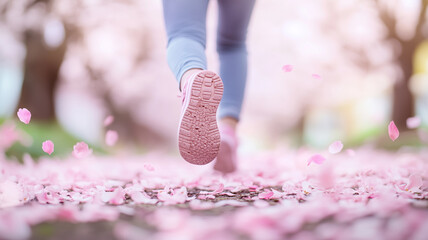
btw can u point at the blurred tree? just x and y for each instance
(41, 70)
(403, 102)
(50, 28)
(45, 45)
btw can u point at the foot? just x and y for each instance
(227, 157)
(198, 134)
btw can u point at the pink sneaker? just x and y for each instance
(227, 157)
(198, 134)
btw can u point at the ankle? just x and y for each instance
(187, 75)
(229, 122)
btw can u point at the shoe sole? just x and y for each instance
(199, 136)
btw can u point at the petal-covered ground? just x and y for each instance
(361, 194)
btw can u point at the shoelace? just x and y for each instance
(182, 94)
(184, 89)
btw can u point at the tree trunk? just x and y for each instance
(403, 102)
(40, 76)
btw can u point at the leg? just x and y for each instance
(198, 134)
(185, 26)
(234, 17)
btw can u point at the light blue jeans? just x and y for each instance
(185, 22)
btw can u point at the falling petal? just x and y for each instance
(109, 120)
(316, 76)
(81, 150)
(413, 122)
(317, 158)
(393, 131)
(48, 147)
(24, 115)
(111, 137)
(287, 68)
(335, 147)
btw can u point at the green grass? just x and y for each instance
(40, 132)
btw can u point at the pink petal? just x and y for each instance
(164, 195)
(317, 158)
(210, 197)
(180, 195)
(42, 197)
(24, 115)
(109, 120)
(335, 147)
(287, 68)
(142, 197)
(111, 137)
(81, 150)
(203, 197)
(266, 195)
(413, 122)
(173, 196)
(289, 188)
(393, 131)
(306, 186)
(118, 196)
(415, 182)
(48, 147)
(278, 194)
(316, 76)
(48, 196)
(219, 189)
